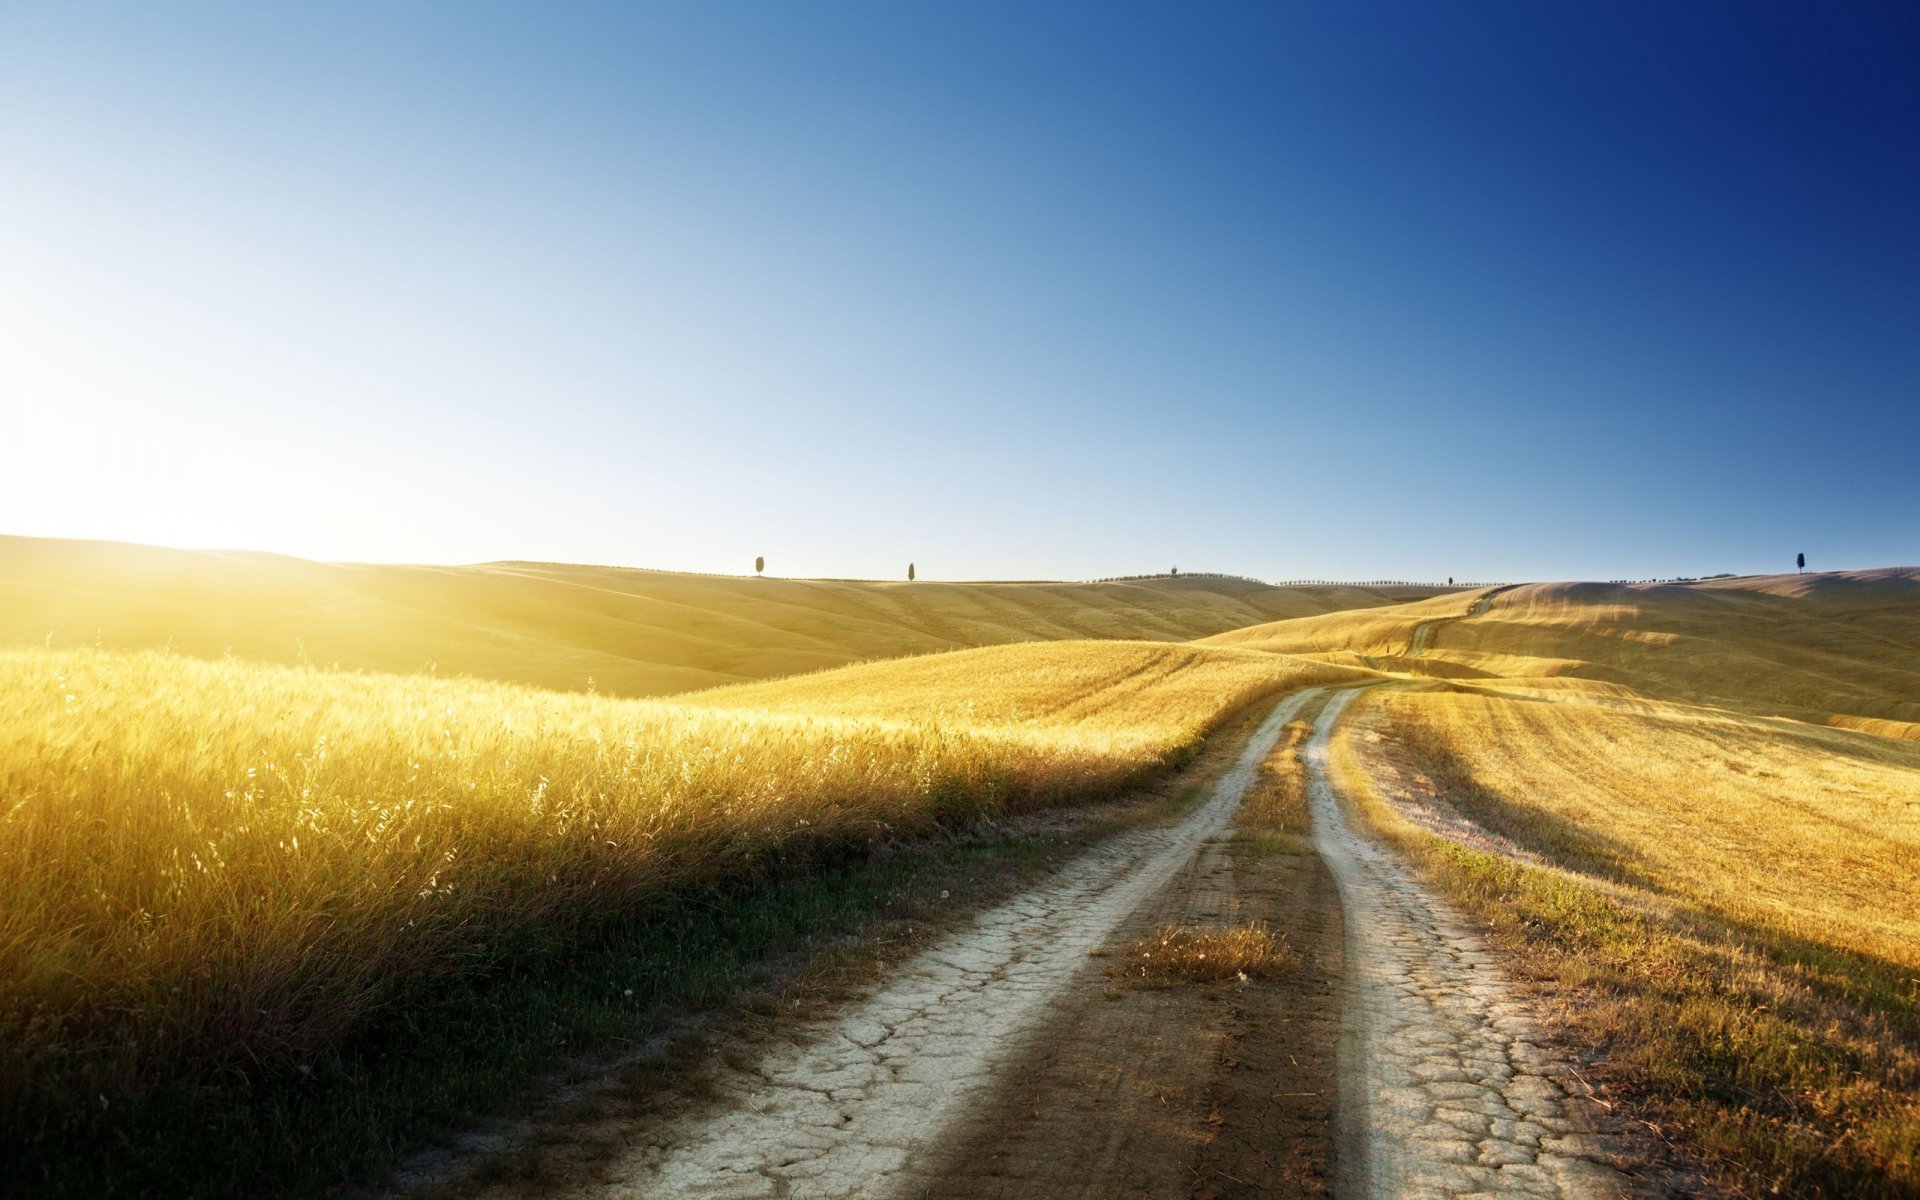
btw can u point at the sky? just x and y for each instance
(1007, 290)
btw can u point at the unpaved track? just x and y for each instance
(1218, 1090)
(1447, 1085)
(1422, 639)
(847, 1111)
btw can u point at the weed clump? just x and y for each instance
(1273, 814)
(1185, 954)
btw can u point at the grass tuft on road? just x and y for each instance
(1273, 814)
(1189, 954)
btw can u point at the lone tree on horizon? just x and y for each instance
(1800, 560)
(1176, 573)
(909, 572)
(759, 563)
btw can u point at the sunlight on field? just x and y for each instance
(1387, 631)
(1735, 901)
(572, 628)
(1699, 802)
(1839, 648)
(1802, 830)
(205, 866)
(1124, 696)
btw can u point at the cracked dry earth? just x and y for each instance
(847, 1112)
(1448, 1087)
(1006, 1061)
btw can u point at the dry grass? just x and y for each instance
(1188, 954)
(1801, 829)
(210, 871)
(1116, 697)
(1273, 812)
(1385, 631)
(1732, 899)
(569, 628)
(1837, 648)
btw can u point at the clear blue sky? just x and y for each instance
(1493, 291)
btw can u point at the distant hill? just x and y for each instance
(631, 632)
(1834, 647)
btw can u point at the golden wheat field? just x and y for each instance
(1809, 831)
(1840, 648)
(212, 863)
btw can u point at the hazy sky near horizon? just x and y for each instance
(1497, 291)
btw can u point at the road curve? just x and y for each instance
(1447, 1087)
(1422, 639)
(853, 1109)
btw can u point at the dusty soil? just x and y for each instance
(1211, 1090)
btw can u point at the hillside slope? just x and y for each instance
(1841, 648)
(630, 632)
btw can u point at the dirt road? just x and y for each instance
(848, 1112)
(1447, 1087)
(1214, 1089)
(1422, 639)
(1012, 1059)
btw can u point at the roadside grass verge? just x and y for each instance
(1786, 1064)
(271, 923)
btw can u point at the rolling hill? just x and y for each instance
(621, 631)
(1840, 648)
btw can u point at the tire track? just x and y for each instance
(1447, 1085)
(867, 1094)
(1422, 638)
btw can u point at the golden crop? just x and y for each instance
(1794, 828)
(1840, 649)
(210, 863)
